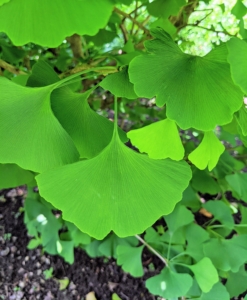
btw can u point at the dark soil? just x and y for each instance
(21, 270)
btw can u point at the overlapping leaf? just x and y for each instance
(30, 134)
(241, 117)
(238, 182)
(208, 152)
(159, 140)
(12, 175)
(169, 284)
(119, 85)
(218, 292)
(48, 23)
(205, 273)
(198, 91)
(117, 190)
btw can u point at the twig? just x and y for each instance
(125, 15)
(10, 68)
(124, 32)
(152, 249)
(209, 29)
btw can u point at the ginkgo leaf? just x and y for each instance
(159, 140)
(238, 62)
(169, 284)
(237, 182)
(12, 175)
(241, 117)
(90, 132)
(218, 292)
(198, 91)
(130, 258)
(204, 183)
(117, 190)
(28, 121)
(205, 273)
(208, 152)
(161, 8)
(3, 1)
(236, 282)
(119, 84)
(230, 254)
(48, 23)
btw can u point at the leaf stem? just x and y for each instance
(164, 260)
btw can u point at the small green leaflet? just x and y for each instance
(12, 175)
(205, 274)
(221, 212)
(208, 152)
(230, 254)
(218, 292)
(238, 182)
(49, 23)
(169, 284)
(130, 259)
(159, 140)
(198, 91)
(180, 217)
(236, 282)
(119, 85)
(117, 185)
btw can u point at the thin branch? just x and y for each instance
(124, 32)
(152, 249)
(125, 15)
(6, 66)
(209, 29)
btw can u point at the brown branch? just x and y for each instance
(127, 16)
(14, 70)
(209, 29)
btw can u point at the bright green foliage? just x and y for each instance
(12, 175)
(164, 9)
(159, 140)
(119, 85)
(193, 102)
(204, 183)
(238, 62)
(180, 217)
(237, 182)
(221, 212)
(208, 152)
(169, 284)
(103, 185)
(205, 274)
(33, 20)
(218, 292)
(236, 282)
(130, 259)
(230, 254)
(77, 236)
(191, 199)
(42, 141)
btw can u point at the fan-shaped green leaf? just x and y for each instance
(169, 284)
(119, 84)
(236, 282)
(117, 190)
(208, 152)
(198, 91)
(230, 254)
(238, 182)
(165, 8)
(218, 292)
(130, 258)
(238, 62)
(28, 121)
(205, 273)
(90, 132)
(3, 1)
(12, 175)
(204, 183)
(159, 140)
(48, 23)
(221, 212)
